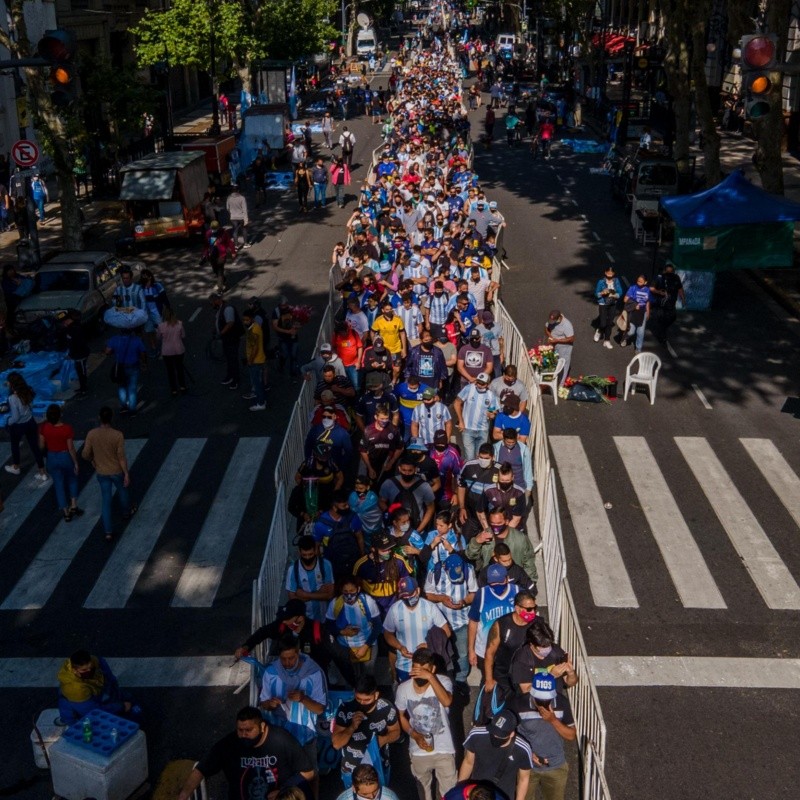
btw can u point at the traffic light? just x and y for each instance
(759, 59)
(58, 48)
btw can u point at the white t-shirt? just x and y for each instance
(427, 716)
(411, 625)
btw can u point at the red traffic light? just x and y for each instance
(758, 51)
(57, 46)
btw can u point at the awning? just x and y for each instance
(148, 185)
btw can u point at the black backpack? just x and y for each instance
(342, 549)
(405, 497)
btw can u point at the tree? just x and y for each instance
(49, 123)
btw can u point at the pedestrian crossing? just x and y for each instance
(675, 523)
(136, 547)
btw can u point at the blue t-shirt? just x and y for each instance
(641, 294)
(521, 424)
(127, 349)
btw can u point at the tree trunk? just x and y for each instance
(676, 66)
(769, 129)
(705, 115)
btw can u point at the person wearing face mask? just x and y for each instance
(427, 362)
(491, 602)
(481, 547)
(381, 570)
(430, 416)
(357, 721)
(86, 683)
(477, 475)
(496, 754)
(310, 577)
(452, 585)
(638, 299)
(506, 496)
(367, 786)
(561, 334)
(541, 653)
(449, 463)
(381, 446)
(329, 431)
(510, 417)
(412, 491)
(437, 304)
(337, 531)
(475, 408)
(506, 636)
(401, 531)
(423, 702)
(407, 624)
(509, 450)
(364, 502)
(409, 396)
(353, 621)
(389, 327)
(437, 545)
(546, 722)
(294, 693)
(243, 756)
(312, 370)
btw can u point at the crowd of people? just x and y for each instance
(413, 565)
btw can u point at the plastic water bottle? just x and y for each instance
(87, 730)
(114, 736)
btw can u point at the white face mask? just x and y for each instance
(484, 462)
(327, 422)
(404, 526)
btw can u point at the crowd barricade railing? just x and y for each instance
(594, 779)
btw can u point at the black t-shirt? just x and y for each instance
(376, 723)
(498, 765)
(476, 480)
(426, 468)
(525, 663)
(253, 773)
(515, 575)
(512, 637)
(368, 404)
(511, 500)
(311, 639)
(379, 444)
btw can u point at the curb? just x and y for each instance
(786, 301)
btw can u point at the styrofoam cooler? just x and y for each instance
(78, 773)
(51, 732)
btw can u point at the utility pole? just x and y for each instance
(622, 132)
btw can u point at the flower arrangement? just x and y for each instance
(543, 357)
(301, 314)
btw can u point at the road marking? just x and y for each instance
(702, 397)
(182, 671)
(688, 570)
(21, 502)
(566, 191)
(671, 350)
(584, 218)
(596, 237)
(770, 575)
(574, 202)
(39, 581)
(195, 314)
(780, 476)
(202, 574)
(696, 672)
(608, 578)
(610, 258)
(121, 572)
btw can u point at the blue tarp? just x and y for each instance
(584, 145)
(735, 201)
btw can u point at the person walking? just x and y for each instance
(237, 210)
(155, 296)
(319, 180)
(475, 407)
(607, 291)
(105, 449)
(302, 182)
(57, 439)
(256, 360)
(638, 300)
(171, 333)
(347, 142)
(129, 352)
(219, 245)
(21, 423)
(40, 196)
(340, 177)
(328, 128)
(229, 329)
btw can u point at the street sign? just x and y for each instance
(25, 153)
(643, 63)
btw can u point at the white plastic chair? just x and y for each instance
(551, 379)
(648, 365)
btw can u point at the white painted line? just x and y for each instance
(696, 672)
(671, 350)
(610, 258)
(608, 578)
(574, 202)
(584, 217)
(566, 191)
(698, 391)
(39, 581)
(596, 237)
(195, 314)
(181, 671)
(780, 476)
(688, 570)
(203, 572)
(21, 502)
(769, 573)
(118, 578)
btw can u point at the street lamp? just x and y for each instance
(215, 129)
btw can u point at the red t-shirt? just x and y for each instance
(346, 346)
(56, 436)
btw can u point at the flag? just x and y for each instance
(293, 96)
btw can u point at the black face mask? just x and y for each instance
(421, 682)
(427, 346)
(246, 743)
(308, 561)
(365, 707)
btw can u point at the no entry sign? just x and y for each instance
(25, 153)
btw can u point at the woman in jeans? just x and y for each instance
(58, 439)
(172, 334)
(21, 423)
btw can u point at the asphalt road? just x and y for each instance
(695, 554)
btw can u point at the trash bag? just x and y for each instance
(68, 372)
(588, 394)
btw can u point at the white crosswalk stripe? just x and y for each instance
(609, 580)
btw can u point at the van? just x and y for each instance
(366, 43)
(644, 175)
(505, 41)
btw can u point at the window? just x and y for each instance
(65, 280)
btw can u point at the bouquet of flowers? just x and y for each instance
(595, 381)
(543, 357)
(301, 315)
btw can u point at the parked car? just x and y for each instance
(644, 174)
(83, 281)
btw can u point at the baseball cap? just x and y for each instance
(496, 573)
(384, 267)
(373, 381)
(502, 726)
(417, 445)
(406, 587)
(555, 314)
(487, 317)
(543, 686)
(327, 396)
(428, 393)
(493, 204)
(329, 409)
(454, 567)
(440, 437)
(381, 541)
(293, 608)
(482, 378)
(325, 348)
(474, 334)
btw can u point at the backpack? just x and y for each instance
(342, 549)
(405, 497)
(347, 143)
(237, 331)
